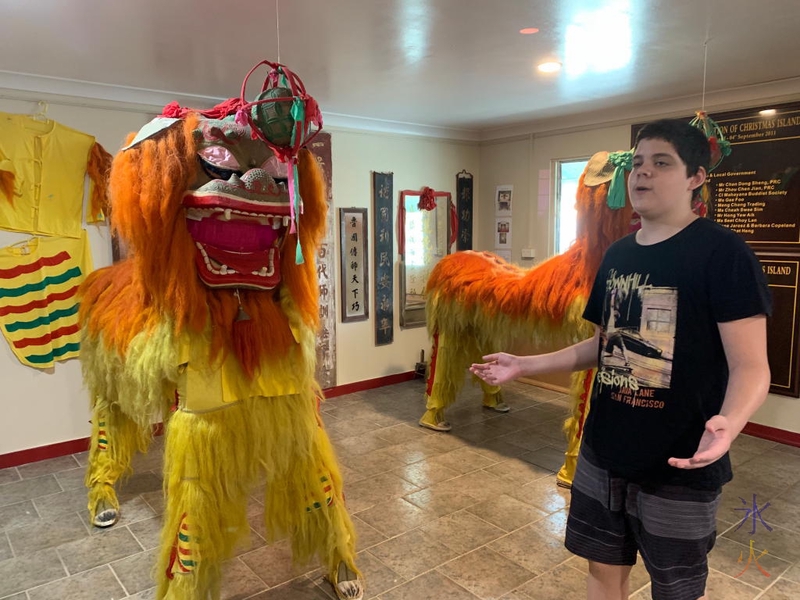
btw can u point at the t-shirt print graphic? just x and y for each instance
(639, 337)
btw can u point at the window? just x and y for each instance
(568, 172)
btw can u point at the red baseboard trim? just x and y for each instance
(23, 457)
(369, 384)
(772, 434)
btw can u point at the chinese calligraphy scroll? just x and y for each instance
(326, 339)
(464, 189)
(355, 264)
(382, 186)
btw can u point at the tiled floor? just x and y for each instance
(471, 514)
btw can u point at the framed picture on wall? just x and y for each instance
(502, 200)
(355, 264)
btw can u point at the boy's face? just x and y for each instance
(658, 185)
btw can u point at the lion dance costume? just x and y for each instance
(210, 324)
(478, 304)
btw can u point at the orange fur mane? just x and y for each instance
(159, 279)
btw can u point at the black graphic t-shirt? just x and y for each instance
(662, 371)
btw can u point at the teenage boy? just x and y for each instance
(680, 350)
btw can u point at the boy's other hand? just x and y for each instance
(714, 443)
(498, 368)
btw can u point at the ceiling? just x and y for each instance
(460, 67)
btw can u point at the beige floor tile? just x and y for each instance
(462, 460)
(462, 531)
(544, 493)
(46, 467)
(136, 571)
(412, 553)
(366, 535)
(731, 558)
(8, 475)
(5, 548)
(430, 585)
(395, 516)
(547, 457)
(506, 512)
(301, 588)
(532, 548)
(563, 582)
(425, 473)
(793, 573)
(27, 489)
(519, 472)
(779, 542)
(238, 581)
(486, 573)
(377, 576)
(783, 590)
(29, 571)
(97, 584)
(273, 564)
(90, 552)
(721, 586)
(71, 478)
(52, 506)
(47, 533)
(147, 532)
(21, 514)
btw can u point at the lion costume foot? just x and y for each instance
(103, 505)
(500, 407)
(434, 419)
(493, 399)
(105, 515)
(346, 583)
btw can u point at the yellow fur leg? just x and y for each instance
(115, 439)
(214, 459)
(209, 469)
(304, 496)
(580, 394)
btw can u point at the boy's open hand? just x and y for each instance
(714, 443)
(498, 368)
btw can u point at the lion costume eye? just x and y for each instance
(219, 163)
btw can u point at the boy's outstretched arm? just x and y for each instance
(745, 344)
(502, 367)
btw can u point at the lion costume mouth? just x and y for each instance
(239, 227)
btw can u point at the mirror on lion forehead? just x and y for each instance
(426, 235)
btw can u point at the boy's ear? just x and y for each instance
(698, 179)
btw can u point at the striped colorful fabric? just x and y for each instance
(39, 282)
(182, 560)
(102, 436)
(326, 489)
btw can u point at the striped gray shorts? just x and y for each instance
(672, 527)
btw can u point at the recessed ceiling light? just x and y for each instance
(767, 112)
(529, 30)
(549, 66)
